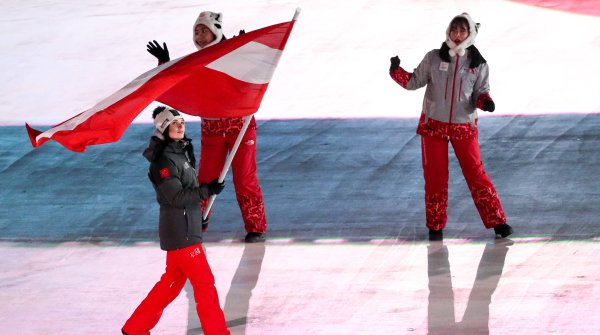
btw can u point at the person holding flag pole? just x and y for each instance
(222, 138)
(224, 83)
(173, 176)
(243, 68)
(223, 135)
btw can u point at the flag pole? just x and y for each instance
(228, 161)
(296, 14)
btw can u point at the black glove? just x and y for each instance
(205, 224)
(489, 106)
(394, 63)
(214, 187)
(242, 32)
(158, 52)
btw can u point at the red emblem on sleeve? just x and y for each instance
(164, 173)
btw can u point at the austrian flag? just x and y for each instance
(228, 79)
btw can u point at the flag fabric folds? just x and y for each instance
(228, 79)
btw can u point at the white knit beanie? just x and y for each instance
(213, 22)
(165, 118)
(460, 49)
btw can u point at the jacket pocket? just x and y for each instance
(172, 224)
(467, 83)
(193, 217)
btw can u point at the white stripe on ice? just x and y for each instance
(253, 63)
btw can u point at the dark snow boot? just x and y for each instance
(503, 230)
(436, 235)
(255, 237)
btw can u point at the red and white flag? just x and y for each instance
(228, 79)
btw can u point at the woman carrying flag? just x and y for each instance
(173, 176)
(219, 136)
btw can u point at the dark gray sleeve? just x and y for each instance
(166, 176)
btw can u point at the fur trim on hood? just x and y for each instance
(461, 48)
(474, 54)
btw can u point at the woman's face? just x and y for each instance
(203, 36)
(459, 32)
(177, 130)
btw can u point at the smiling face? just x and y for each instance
(459, 31)
(203, 36)
(177, 130)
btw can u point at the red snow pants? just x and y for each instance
(218, 138)
(182, 264)
(435, 171)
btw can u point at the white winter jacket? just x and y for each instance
(452, 88)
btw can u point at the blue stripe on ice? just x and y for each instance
(351, 179)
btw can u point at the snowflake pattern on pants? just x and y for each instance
(225, 126)
(436, 206)
(253, 212)
(488, 205)
(454, 131)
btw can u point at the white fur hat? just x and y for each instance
(473, 29)
(165, 118)
(213, 22)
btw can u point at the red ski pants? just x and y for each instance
(217, 142)
(187, 263)
(435, 171)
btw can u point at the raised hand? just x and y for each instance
(162, 54)
(394, 63)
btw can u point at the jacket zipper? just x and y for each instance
(453, 87)
(187, 225)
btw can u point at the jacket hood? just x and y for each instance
(154, 149)
(462, 47)
(157, 146)
(213, 21)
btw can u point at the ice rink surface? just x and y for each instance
(382, 287)
(340, 168)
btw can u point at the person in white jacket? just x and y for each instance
(456, 77)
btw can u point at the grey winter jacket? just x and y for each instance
(452, 88)
(173, 175)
